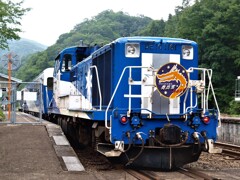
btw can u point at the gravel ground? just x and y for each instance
(218, 166)
(96, 164)
(215, 162)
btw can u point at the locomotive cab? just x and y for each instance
(68, 58)
(63, 76)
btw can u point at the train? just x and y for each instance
(141, 101)
(35, 96)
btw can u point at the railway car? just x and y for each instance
(142, 101)
(36, 95)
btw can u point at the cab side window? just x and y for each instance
(67, 62)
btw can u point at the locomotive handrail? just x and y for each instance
(99, 89)
(191, 107)
(130, 87)
(115, 90)
(210, 86)
(215, 99)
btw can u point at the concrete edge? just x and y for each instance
(63, 149)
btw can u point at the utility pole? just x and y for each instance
(9, 84)
(10, 61)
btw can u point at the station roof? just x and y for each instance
(4, 76)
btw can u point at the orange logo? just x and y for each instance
(172, 80)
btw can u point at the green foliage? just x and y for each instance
(34, 65)
(104, 28)
(22, 48)
(235, 108)
(213, 24)
(10, 14)
(155, 28)
(2, 116)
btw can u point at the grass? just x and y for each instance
(2, 116)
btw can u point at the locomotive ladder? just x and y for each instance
(130, 95)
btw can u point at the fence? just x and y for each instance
(20, 97)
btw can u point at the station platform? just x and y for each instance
(38, 151)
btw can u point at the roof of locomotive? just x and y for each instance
(67, 49)
(143, 39)
(157, 39)
(76, 48)
(138, 39)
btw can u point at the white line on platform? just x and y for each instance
(72, 163)
(60, 140)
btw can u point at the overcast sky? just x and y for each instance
(48, 19)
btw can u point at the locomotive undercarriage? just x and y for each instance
(160, 152)
(81, 131)
(155, 157)
(165, 149)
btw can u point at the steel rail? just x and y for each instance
(195, 174)
(229, 149)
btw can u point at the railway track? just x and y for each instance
(229, 149)
(141, 175)
(195, 174)
(181, 173)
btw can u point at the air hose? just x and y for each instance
(197, 140)
(206, 145)
(140, 152)
(199, 147)
(129, 144)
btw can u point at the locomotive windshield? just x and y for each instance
(67, 62)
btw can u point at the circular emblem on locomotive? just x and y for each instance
(172, 80)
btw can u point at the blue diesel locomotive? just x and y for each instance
(140, 100)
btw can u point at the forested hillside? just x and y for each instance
(213, 24)
(101, 29)
(22, 48)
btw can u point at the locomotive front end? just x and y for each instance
(158, 115)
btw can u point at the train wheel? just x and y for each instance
(64, 125)
(84, 134)
(59, 121)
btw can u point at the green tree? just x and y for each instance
(155, 28)
(213, 24)
(10, 15)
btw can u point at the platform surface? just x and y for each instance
(29, 152)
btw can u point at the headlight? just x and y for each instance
(187, 52)
(132, 50)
